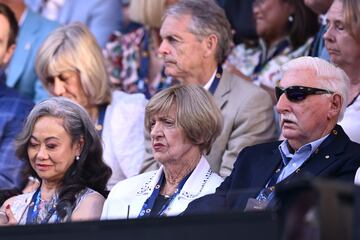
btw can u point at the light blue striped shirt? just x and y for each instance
(293, 161)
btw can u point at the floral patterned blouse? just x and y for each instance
(21, 204)
(127, 58)
(247, 60)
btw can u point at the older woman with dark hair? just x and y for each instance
(285, 29)
(183, 122)
(70, 64)
(63, 150)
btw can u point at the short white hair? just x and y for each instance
(328, 75)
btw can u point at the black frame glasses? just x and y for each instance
(299, 93)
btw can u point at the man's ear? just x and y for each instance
(8, 54)
(336, 104)
(210, 44)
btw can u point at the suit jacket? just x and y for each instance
(21, 73)
(336, 158)
(133, 192)
(14, 109)
(101, 17)
(248, 120)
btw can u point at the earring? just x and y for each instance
(77, 158)
(291, 18)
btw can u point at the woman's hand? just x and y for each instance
(7, 216)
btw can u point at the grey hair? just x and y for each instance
(330, 77)
(196, 113)
(87, 171)
(76, 122)
(206, 18)
(73, 47)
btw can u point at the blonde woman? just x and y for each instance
(183, 122)
(70, 64)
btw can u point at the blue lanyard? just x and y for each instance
(267, 192)
(216, 81)
(34, 210)
(100, 123)
(149, 203)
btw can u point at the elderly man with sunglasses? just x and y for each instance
(311, 99)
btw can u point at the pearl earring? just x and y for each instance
(291, 18)
(77, 158)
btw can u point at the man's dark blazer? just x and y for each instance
(336, 158)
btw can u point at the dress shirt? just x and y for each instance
(296, 159)
(211, 80)
(51, 8)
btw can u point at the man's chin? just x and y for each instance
(170, 72)
(288, 133)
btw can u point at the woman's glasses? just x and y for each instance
(299, 93)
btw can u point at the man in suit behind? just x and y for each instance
(312, 97)
(101, 17)
(33, 29)
(13, 110)
(196, 37)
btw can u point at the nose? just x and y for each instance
(164, 48)
(42, 154)
(328, 35)
(156, 131)
(255, 8)
(283, 104)
(58, 88)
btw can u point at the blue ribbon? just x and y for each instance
(34, 210)
(149, 203)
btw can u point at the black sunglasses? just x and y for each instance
(299, 93)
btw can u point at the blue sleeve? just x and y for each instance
(11, 123)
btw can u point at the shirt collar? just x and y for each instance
(322, 19)
(306, 149)
(22, 18)
(208, 84)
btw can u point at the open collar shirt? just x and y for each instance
(292, 161)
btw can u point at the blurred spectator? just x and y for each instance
(131, 58)
(33, 29)
(70, 64)
(240, 17)
(13, 107)
(101, 17)
(196, 38)
(320, 7)
(285, 28)
(342, 40)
